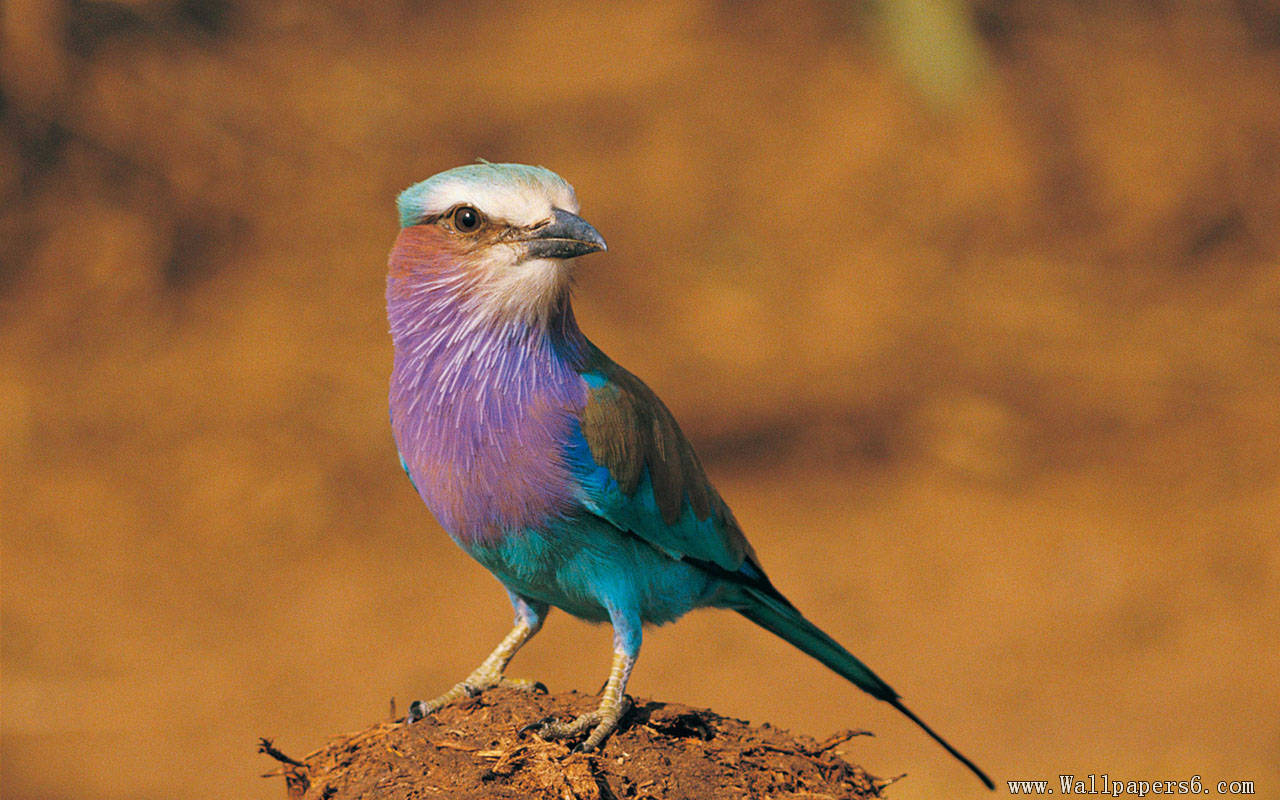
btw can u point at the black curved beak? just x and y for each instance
(567, 236)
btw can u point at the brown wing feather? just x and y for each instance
(629, 429)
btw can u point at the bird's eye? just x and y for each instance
(467, 219)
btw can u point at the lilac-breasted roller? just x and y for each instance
(555, 468)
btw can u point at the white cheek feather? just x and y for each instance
(523, 291)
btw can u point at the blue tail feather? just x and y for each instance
(776, 615)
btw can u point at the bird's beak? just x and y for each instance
(566, 236)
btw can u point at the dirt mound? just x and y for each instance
(474, 749)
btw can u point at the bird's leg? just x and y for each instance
(614, 705)
(489, 673)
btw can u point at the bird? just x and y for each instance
(548, 463)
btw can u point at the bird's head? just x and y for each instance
(497, 237)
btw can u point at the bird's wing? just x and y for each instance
(638, 471)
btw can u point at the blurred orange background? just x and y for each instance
(972, 310)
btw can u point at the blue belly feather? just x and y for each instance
(593, 570)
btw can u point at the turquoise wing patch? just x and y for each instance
(637, 470)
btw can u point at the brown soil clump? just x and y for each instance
(473, 749)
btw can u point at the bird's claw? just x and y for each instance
(536, 724)
(601, 722)
(417, 710)
(473, 686)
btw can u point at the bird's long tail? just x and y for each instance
(775, 614)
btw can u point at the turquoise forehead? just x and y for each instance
(518, 193)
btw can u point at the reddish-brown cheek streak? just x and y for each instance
(421, 250)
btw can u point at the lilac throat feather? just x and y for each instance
(480, 403)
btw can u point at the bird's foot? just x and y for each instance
(601, 722)
(472, 686)
(487, 675)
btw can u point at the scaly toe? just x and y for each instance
(551, 728)
(607, 723)
(420, 709)
(523, 685)
(471, 687)
(601, 723)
